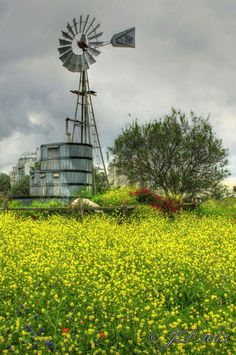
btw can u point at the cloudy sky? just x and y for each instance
(185, 57)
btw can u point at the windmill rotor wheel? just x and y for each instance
(78, 47)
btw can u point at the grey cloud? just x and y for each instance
(184, 57)
(3, 8)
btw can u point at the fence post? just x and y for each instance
(81, 207)
(125, 208)
(5, 203)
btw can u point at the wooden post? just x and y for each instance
(81, 207)
(5, 202)
(125, 204)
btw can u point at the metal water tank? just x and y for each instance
(64, 169)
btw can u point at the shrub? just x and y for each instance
(83, 193)
(218, 207)
(115, 197)
(21, 188)
(144, 211)
(161, 203)
(5, 183)
(15, 204)
(37, 214)
(144, 195)
(49, 203)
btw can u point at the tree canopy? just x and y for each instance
(5, 184)
(178, 154)
(21, 188)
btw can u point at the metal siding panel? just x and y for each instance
(59, 186)
(61, 164)
(63, 150)
(53, 153)
(43, 152)
(32, 190)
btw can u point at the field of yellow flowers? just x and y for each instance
(144, 286)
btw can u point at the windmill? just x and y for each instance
(79, 46)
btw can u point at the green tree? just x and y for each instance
(178, 154)
(218, 192)
(21, 188)
(5, 184)
(99, 181)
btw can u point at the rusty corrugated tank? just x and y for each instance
(64, 169)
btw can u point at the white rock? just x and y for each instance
(84, 202)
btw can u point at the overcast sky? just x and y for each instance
(185, 57)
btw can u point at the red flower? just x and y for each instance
(102, 335)
(161, 203)
(65, 330)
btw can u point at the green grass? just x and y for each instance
(226, 206)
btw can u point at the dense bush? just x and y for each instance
(5, 183)
(49, 203)
(145, 212)
(115, 197)
(218, 207)
(36, 204)
(83, 193)
(21, 188)
(161, 203)
(15, 204)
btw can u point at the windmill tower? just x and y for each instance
(67, 167)
(79, 47)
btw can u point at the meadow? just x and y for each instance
(103, 285)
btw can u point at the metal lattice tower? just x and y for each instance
(77, 50)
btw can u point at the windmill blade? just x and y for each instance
(93, 51)
(75, 25)
(96, 44)
(90, 24)
(64, 49)
(66, 35)
(96, 36)
(83, 38)
(70, 29)
(85, 24)
(89, 58)
(66, 56)
(124, 39)
(94, 30)
(74, 63)
(70, 60)
(63, 42)
(70, 67)
(80, 23)
(77, 68)
(76, 59)
(89, 32)
(84, 62)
